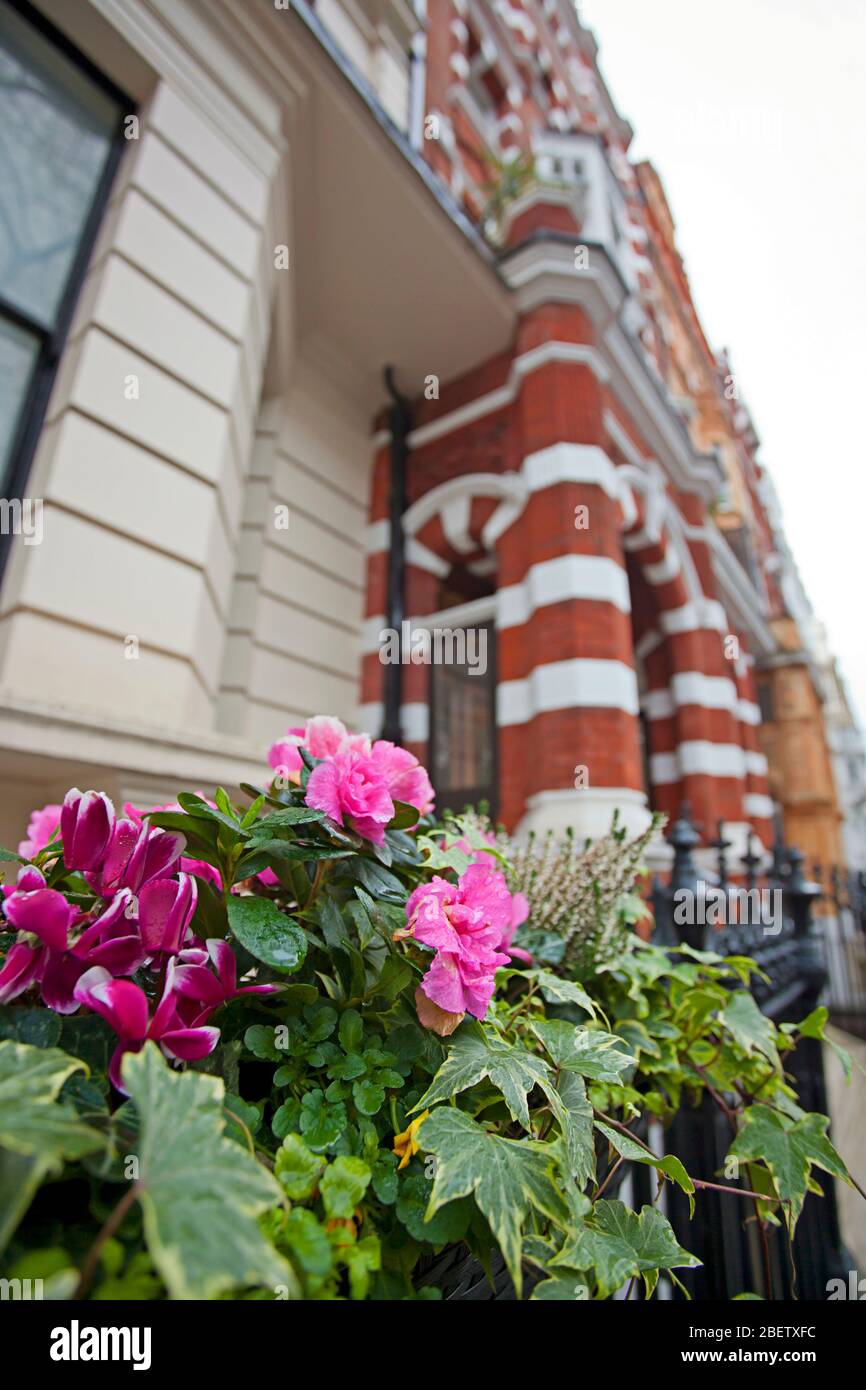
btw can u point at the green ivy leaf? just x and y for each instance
(343, 1186)
(205, 1246)
(37, 1131)
(555, 990)
(789, 1148)
(618, 1244)
(565, 1288)
(267, 933)
(588, 1051)
(573, 1112)
(507, 1178)
(749, 1027)
(668, 1164)
(476, 1053)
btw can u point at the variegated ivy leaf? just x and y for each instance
(555, 990)
(618, 1244)
(200, 1193)
(32, 1120)
(668, 1164)
(589, 1051)
(507, 1178)
(569, 1103)
(749, 1027)
(789, 1148)
(476, 1053)
(37, 1131)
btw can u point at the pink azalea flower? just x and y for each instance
(323, 736)
(351, 790)
(464, 923)
(283, 756)
(124, 1006)
(406, 779)
(40, 830)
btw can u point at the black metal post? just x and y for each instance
(818, 1248)
(399, 420)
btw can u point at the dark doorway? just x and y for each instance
(463, 762)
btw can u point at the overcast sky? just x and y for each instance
(754, 114)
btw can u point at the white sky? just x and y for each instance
(754, 114)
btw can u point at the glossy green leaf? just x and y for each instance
(267, 933)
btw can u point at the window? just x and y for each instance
(463, 728)
(60, 141)
(766, 703)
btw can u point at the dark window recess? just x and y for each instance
(643, 733)
(61, 137)
(765, 702)
(462, 585)
(463, 762)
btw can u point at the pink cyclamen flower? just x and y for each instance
(40, 912)
(166, 907)
(199, 867)
(465, 924)
(351, 789)
(40, 830)
(124, 1006)
(136, 854)
(54, 961)
(86, 823)
(406, 779)
(199, 989)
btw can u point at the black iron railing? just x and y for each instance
(768, 913)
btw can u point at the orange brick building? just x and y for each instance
(591, 497)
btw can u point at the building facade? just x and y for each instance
(229, 220)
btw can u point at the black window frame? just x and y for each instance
(53, 341)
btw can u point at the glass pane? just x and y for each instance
(464, 732)
(56, 129)
(18, 352)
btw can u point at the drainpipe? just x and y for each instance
(399, 423)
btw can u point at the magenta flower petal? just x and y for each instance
(30, 880)
(189, 1044)
(165, 910)
(86, 823)
(198, 983)
(59, 974)
(224, 961)
(121, 1003)
(45, 913)
(19, 970)
(154, 857)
